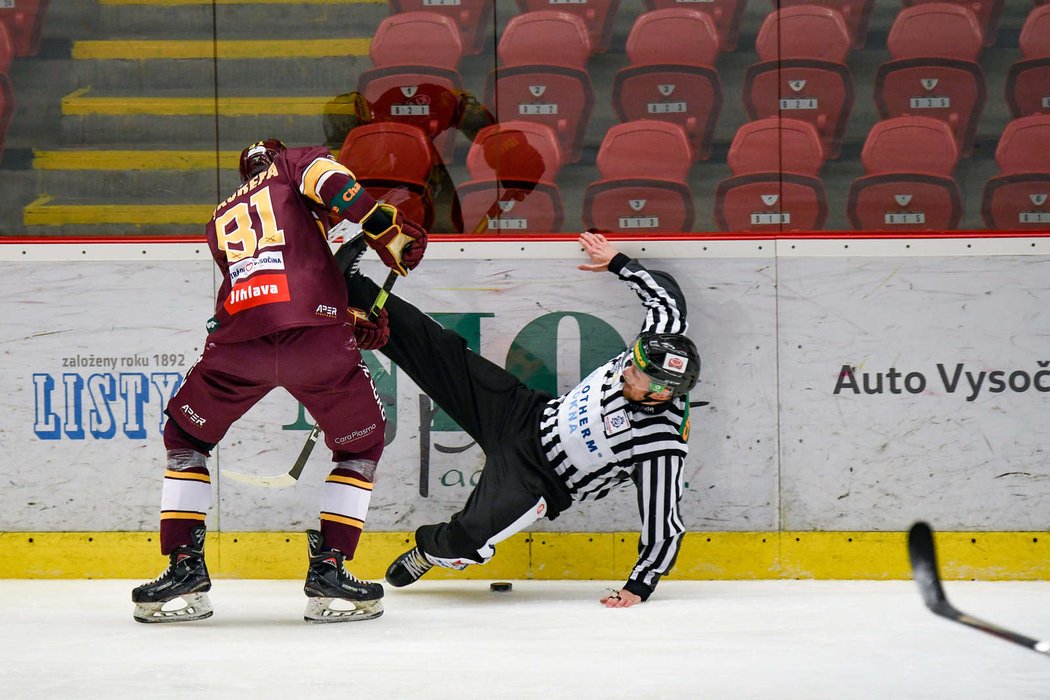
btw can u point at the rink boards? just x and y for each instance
(853, 385)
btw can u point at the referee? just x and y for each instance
(625, 423)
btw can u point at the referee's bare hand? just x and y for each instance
(598, 249)
(620, 599)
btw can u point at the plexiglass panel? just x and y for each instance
(126, 117)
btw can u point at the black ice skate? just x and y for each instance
(180, 593)
(408, 568)
(336, 595)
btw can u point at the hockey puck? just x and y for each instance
(501, 586)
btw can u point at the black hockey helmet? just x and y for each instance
(258, 157)
(668, 358)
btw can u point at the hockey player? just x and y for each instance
(627, 422)
(281, 320)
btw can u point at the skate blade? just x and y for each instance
(188, 608)
(341, 610)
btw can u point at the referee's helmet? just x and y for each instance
(668, 358)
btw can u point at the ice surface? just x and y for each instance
(545, 639)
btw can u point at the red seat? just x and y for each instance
(934, 70)
(25, 21)
(416, 78)
(543, 76)
(987, 13)
(671, 74)
(513, 166)
(725, 13)
(643, 169)
(855, 13)
(598, 15)
(776, 182)
(473, 18)
(1018, 197)
(1028, 82)
(909, 185)
(802, 71)
(393, 162)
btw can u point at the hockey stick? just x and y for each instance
(292, 475)
(924, 570)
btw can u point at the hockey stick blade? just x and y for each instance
(923, 557)
(282, 480)
(270, 482)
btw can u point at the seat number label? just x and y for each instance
(409, 110)
(909, 217)
(798, 103)
(770, 218)
(536, 109)
(517, 224)
(666, 107)
(930, 102)
(639, 222)
(1034, 217)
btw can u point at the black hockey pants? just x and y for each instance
(496, 409)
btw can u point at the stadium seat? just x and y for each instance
(987, 13)
(513, 167)
(416, 76)
(908, 185)
(543, 76)
(802, 71)
(934, 70)
(393, 162)
(643, 169)
(671, 74)
(725, 13)
(473, 18)
(775, 184)
(598, 15)
(1028, 82)
(1019, 197)
(25, 21)
(856, 14)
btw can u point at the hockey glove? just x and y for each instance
(370, 334)
(412, 254)
(399, 242)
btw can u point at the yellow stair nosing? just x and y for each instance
(228, 49)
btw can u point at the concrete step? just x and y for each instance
(316, 18)
(69, 216)
(190, 119)
(326, 75)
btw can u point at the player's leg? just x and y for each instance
(340, 396)
(199, 414)
(476, 393)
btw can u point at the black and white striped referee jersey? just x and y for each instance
(597, 440)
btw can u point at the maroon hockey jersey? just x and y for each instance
(269, 239)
